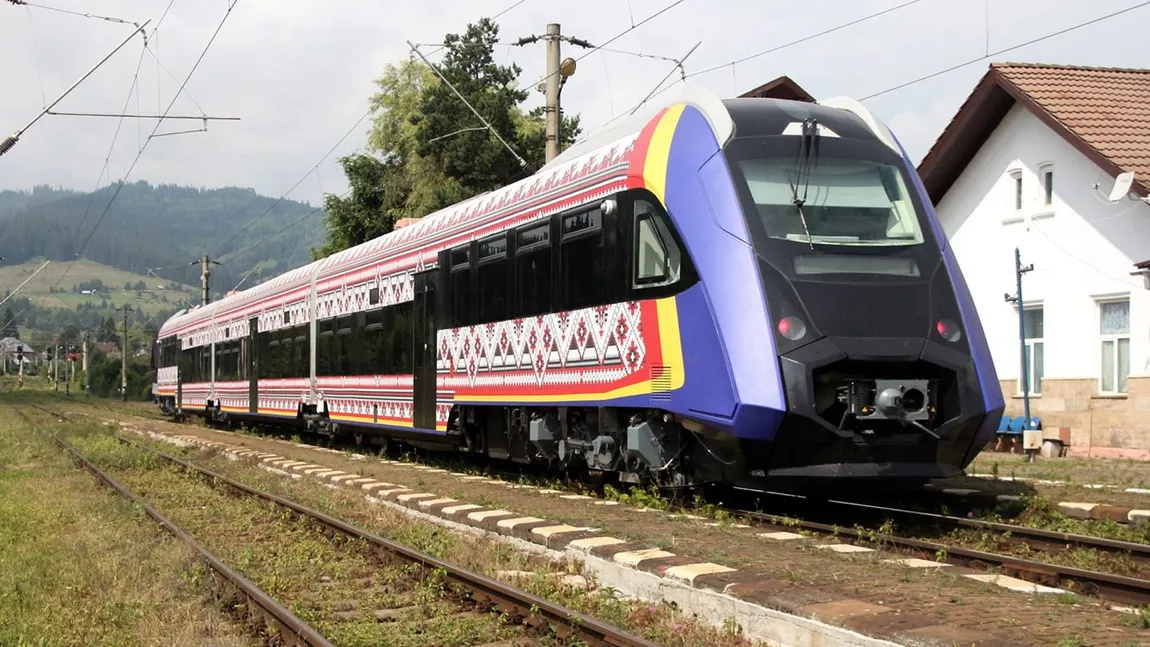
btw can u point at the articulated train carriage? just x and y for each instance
(726, 292)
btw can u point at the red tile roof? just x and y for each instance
(1103, 112)
(781, 88)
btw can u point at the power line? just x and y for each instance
(678, 66)
(76, 13)
(303, 177)
(439, 46)
(108, 157)
(616, 37)
(518, 157)
(315, 167)
(290, 225)
(1005, 50)
(175, 97)
(805, 38)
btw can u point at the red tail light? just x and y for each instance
(948, 330)
(792, 328)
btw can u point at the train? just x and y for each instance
(743, 292)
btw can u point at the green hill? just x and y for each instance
(163, 227)
(157, 294)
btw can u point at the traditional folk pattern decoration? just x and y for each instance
(278, 405)
(389, 409)
(167, 375)
(604, 343)
(231, 330)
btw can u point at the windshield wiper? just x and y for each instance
(805, 160)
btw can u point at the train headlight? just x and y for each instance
(792, 328)
(948, 330)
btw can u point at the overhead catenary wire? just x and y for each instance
(804, 39)
(616, 37)
(315, 167)
(135, 161)
(518, 157)
(1004, 50)
(288, 227)
(678, 66)
(75, 13)
(303, 177)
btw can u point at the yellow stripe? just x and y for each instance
(382, 421)
(670, 342)
(659, 152)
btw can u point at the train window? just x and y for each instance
(460, 288)
(658, 259)
(343, 342)
(492, 294)
(582, 263)
(373, 296)
(533, 270)
(325, 349)
(386, 341)
(302, 350)
(402, 359)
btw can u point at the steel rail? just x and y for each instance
(567, 622)
(1040, 538)
(1114, 588)
(294, 630)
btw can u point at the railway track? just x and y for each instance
(261, 606)
(1110, 587)
(1114, 588)
(539, 616)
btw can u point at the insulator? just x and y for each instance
(8, 143)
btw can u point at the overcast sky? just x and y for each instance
(299, 72)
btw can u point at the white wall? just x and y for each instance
(1081, 249)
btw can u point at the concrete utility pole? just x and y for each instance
(205, 274)
(558, 71)
(1019, 270)
(87, 382)
(56, 367)
(124, 345)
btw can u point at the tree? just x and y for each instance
(375, 203)
(476, 158)
(10, 329)
(427, 150)
(107, 331)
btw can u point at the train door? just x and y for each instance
(253, 365)
(424, 350)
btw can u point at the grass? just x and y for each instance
(659, 623)
(80, 566)
(1107, 471)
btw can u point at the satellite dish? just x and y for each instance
(1122, 185)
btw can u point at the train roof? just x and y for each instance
(607, 142)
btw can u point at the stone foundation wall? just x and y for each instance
(1098, 424)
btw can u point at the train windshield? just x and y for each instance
(831, 201)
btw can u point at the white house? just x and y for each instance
(1028, 162)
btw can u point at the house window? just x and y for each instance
(1114, 326)
(1047, 174)
(1032, 324)
(1016, 185)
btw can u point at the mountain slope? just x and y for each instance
(163, 226)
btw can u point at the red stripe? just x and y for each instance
(639, 153)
